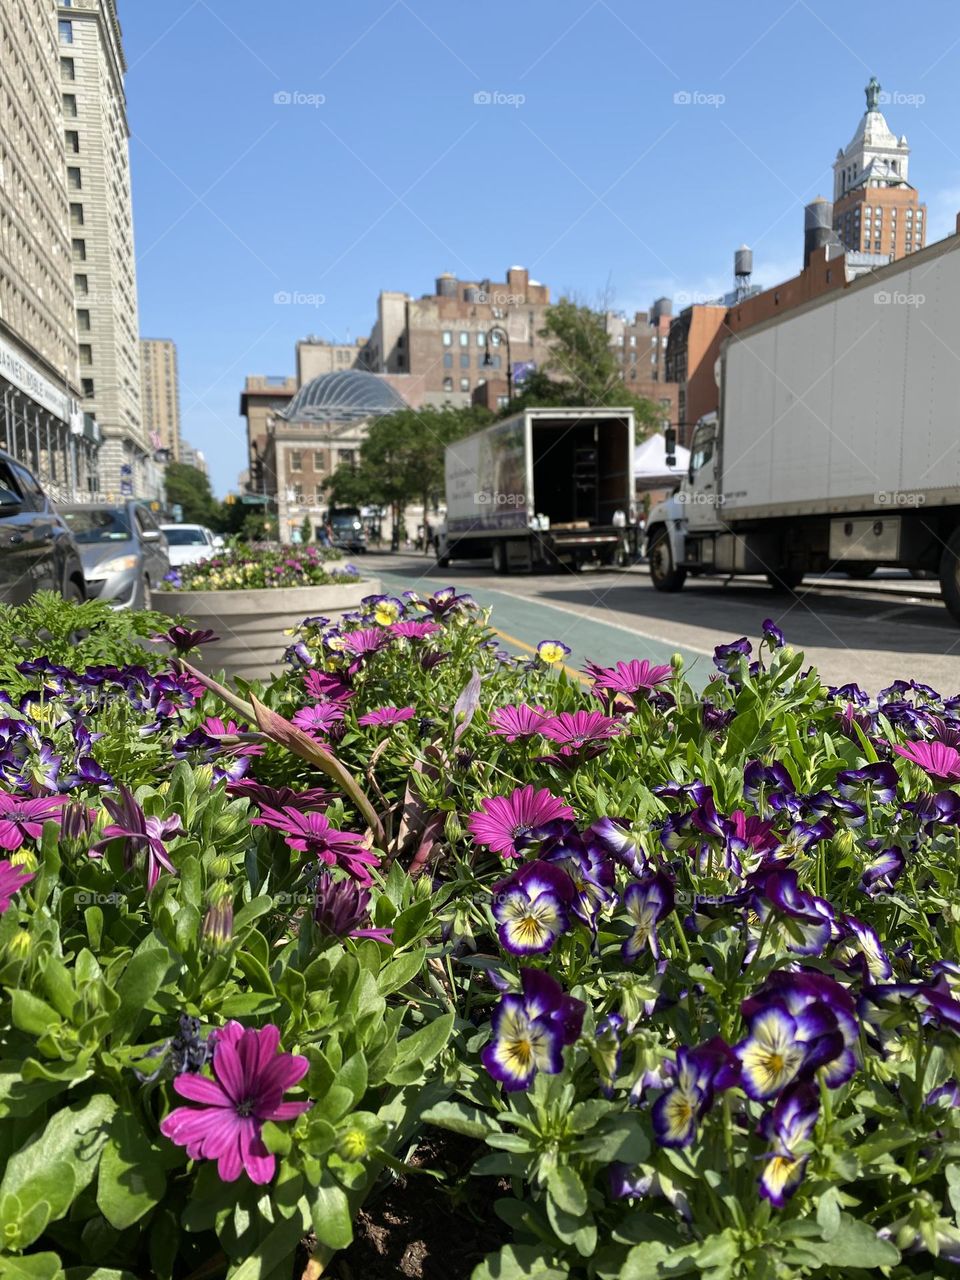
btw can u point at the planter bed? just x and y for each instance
(252, 624)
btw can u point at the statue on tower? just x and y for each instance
(873, 94)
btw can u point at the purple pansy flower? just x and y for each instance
(787, 1126)
(530, 908)
(646, 902)
(726, 657)
(696, 1074)
(530, 1030)
(874, 781)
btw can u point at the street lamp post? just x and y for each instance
(488, 358)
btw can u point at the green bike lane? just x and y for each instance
(523, 620)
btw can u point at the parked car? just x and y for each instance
(190, 543)
(124, 551)
(37, 551)
(348, 531)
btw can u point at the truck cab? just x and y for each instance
(680, 529)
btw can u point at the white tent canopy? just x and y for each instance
(650, 468)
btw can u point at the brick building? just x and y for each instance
(875, 209)
(458, 337)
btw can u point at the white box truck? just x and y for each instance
(542, 488)
(837, 444)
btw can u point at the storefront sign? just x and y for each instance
(17, 370)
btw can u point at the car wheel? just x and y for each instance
(73, 593)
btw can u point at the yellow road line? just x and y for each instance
(522, 644)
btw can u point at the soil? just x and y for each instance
(425, 1229)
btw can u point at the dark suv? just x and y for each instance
(37, 550)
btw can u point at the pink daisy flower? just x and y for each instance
(503, 823)
(22, 819)
(387, 715)
(319, 718)
(311, 832)
(12, 879)
(251, 1079)
(517, 722)
(414, 630)
(936, 758)
(327, 687)
(628, 677)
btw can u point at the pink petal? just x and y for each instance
(288, 1110)
(257, 1160)
(228, 1064)
(200, 1089)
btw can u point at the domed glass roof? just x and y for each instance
(346, 396)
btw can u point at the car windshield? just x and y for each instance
(180, 537)
(98, 524)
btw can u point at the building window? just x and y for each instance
(76, 215)
(319, 460)
(87, 387)
(481, 339)
(86, 353)
(79, 250)
(66, 31)
(464, 339)
(448, 384)
(464, 384)
(68, 69)
(70, 105)
(347, 457)
(72, 139)
(81, 286)
(447, 338)
(633, 339)
(494, 362)
(502, 401)
(83, 321)
(296, 460)
(465, 360)
(447, 360)
(74, 180)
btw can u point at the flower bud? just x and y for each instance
(220, 867)
(676, 661)
(18, 947)
(25, 858)
(217, 932)
(354, 1144)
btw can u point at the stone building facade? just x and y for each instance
(96, 142)
(160, 389)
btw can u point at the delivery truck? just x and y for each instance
(541, 489)
(837, 442)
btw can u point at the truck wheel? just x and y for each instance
(498, 557)
(663, 572)
(861, 570)
(782, 580)
(950, 574)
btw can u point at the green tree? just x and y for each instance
(190, 489)
(401, 460)
(582, 369)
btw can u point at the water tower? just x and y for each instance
(743, 270)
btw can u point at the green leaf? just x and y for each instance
(31, 1014)
(400, 971)
(419, 1050)
(953, 1189)
(519, 1262)
(138, 984)
(131, 1178)
(854, 1245)
(38, 1266)
(828, 1214)
(46, 1195)
(330, 1212)
(566, 1188)
(471, 1122)
(277, 1247)
(643, 1262)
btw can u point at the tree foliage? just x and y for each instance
(190, 489)
(401, 460)
(582, 370)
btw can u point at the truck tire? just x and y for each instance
(950, 574)
(498, 558)
(664, 574)
(861, 570)
(783, 580)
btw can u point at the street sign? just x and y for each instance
(254, 499)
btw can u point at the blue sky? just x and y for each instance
(383, 171)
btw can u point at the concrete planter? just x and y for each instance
(251, 623)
